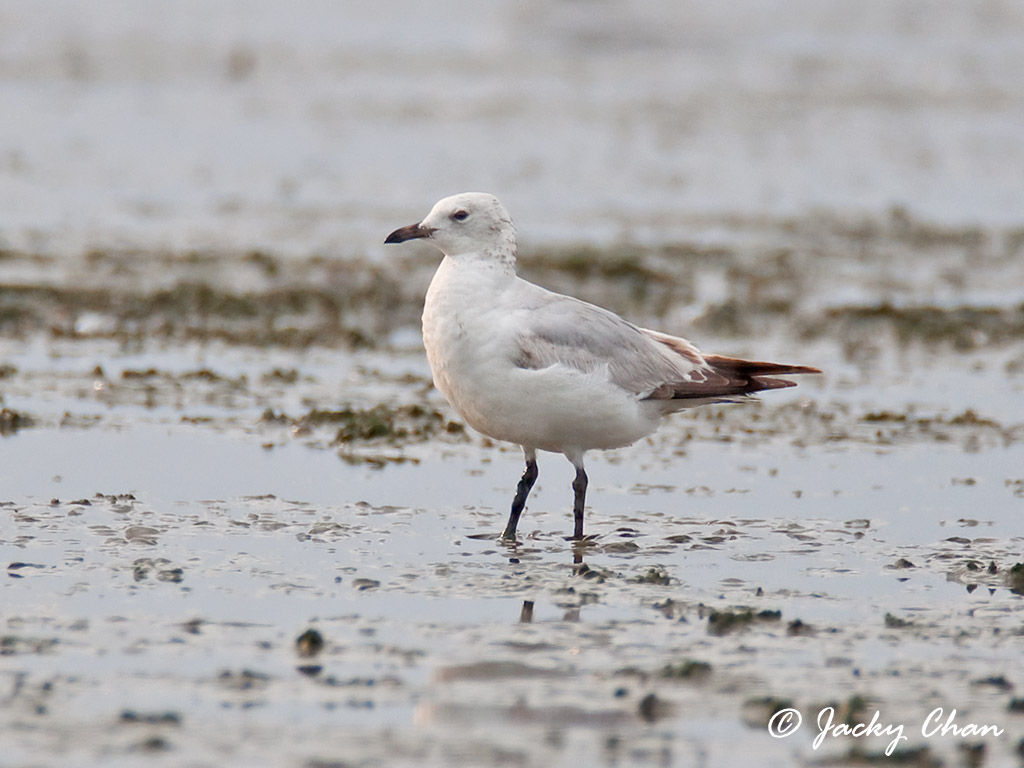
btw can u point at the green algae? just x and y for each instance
(396, 425)
(964, 328)
(11, 421)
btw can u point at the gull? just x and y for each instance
(549, 372)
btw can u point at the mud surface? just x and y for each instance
(240, 527)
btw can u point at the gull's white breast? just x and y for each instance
(470, 329)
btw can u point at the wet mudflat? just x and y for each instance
(238, 525)
(222, 546)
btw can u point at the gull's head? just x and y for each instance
(471, 222)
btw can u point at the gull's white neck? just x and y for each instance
(496, 261)
(459, 308)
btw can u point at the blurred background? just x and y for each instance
(217, 425)
(312, 127)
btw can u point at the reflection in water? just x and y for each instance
(526, 614)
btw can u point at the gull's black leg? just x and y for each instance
(579, 489)
(522, 491)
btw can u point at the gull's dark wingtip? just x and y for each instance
(729, 376)
(750, 376)
(740, 367)
(804, 369)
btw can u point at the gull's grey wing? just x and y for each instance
(554, 329)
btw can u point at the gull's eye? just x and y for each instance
(460, 215)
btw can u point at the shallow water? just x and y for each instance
(218, 430)
(135, 623)
(242, 126)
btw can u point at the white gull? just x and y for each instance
(549, 372)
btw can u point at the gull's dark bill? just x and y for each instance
(410, 232)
